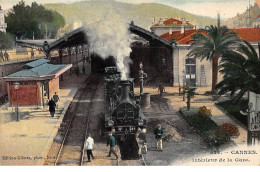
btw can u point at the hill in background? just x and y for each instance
(142, 14)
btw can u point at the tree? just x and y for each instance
(6, 40)
(210, 43)
(241, 71)
(190, 91)
(26, 21)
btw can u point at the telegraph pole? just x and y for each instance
(249, 16)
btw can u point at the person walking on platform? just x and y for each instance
(52, 106)
(6, 56)
(158, 132)
(89, 145)
(112, 143)
(56, 99)
(142, 142)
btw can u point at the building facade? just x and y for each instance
(3, 25)
(171, 25)
(194, 71)
(256, 22)
(38, 81)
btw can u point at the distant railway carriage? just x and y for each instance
(123, 114)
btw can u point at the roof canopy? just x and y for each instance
(41, 71)
(79, 37)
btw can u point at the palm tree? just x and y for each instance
(241, 71)
(190, 91)
(211, 43)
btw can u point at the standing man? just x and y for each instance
(52, 106)
(142, 142)
(56, 98)
(6, 56)
(32, 54)
(112, 143)
(158, 132)
(89, 146)
(161, 89)
(2, 56)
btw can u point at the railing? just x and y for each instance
(13, 56)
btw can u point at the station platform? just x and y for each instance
(27, 142)
(199, 100)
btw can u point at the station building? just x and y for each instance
(3, 25)
(194, 71)
(170, 25)
(38, 81)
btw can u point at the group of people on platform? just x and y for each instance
(112, 143)
(4, 57)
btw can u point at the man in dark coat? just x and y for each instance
(6, 56)
(158, 132)
(112, 143)
(161, 89)
(52, 106)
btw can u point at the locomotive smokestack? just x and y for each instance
(125, 89)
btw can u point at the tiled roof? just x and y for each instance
(249, 34)
(172, 21)
(177, 35)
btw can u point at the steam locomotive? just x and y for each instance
(123, 115)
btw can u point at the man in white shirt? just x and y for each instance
(89, 146)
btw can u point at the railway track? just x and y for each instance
(68, 148)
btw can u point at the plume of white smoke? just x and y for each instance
(111, 37)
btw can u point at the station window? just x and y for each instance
(24, 83)
(190, 67)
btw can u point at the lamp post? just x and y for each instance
(184, 81)
(163, 68)
(16, 86)
(142, 75)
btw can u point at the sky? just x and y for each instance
(227, 8)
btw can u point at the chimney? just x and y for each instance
(125, 89)
(183, 20)
(170, 31)
(182, 29)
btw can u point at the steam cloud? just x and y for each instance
(111, 37)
